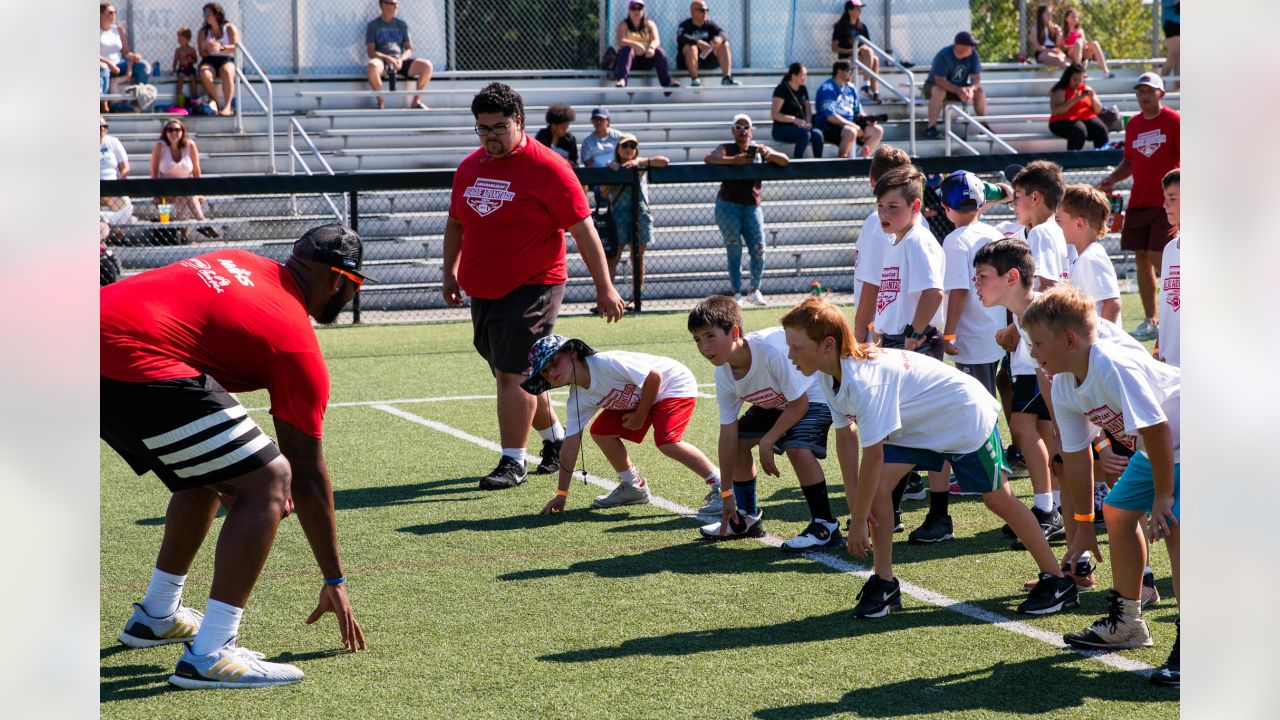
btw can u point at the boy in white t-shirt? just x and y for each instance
(1037, 191)
(1122, 389)
(634, 391)
(1082, 215)
(910, 411)
(787, 414)
(868, 253)
(1169, 339)
(909, 301)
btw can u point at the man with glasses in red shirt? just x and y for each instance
(513, 199)
(175, 343)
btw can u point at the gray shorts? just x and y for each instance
(984, 373)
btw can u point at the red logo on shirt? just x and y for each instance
(767, 398)
(485, 195)
(207, 274)
(890, 284)
(1173, 286)
(1113, 422)
(623, 398)
(1149, 142)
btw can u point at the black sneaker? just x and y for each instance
(743, 526)
(916, 489)
(1050, 595)
(878, 597)
(1016, 462)
(550, 462)
(819, 534)
(935, 528)
(508, 474)
(1050, 524)
(1169, 674)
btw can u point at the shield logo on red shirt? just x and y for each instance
(485, 196)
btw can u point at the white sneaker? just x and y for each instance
(623, 494)
(752, 526)
(713, 503)
(755, 298)
(231, 667)
(1145, 331)
(819, 534)
(143, 631)
(737, 297)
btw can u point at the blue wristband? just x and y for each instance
(335, 581)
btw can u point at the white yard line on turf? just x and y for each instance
(845, 566)
(449, 398)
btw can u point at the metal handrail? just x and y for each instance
(909, 98)
(295, 155)
(950, 109)
(268, 107)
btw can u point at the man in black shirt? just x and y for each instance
(703, 45)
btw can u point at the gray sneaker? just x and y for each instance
(1145, 331)
(1114, 631)
(624, 494)
(713, 504)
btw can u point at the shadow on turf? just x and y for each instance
(1050, 686)
(130, 682)
(527, 521)
(691, 558)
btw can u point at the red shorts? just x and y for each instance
(668, 417)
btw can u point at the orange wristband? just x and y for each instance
(949, 338)
(562, 493)
(1084, 517)
(726, 493)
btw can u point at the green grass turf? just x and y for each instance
(474, 606)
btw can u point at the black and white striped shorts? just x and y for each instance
(190, 432)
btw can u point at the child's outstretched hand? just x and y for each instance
(553, 506)
(633, 420)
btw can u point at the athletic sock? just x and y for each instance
(744, 494)
(516, 454)
(1044, 502)
(555, 433)
(815, 496)
(713, 478)
(1057, 498)
(164, 594)
(221, 623)
(629, 476)
(938, 502)
(898, 491)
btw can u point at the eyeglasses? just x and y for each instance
(169, 129)
(103, 126)
(741, 128)
(359, 281)
(696, 8)
(495, 131)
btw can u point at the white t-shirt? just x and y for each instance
(911, 266)
(1125, 390)
(110, 44)
(771, 382)
(1093, 273)
(868, 254)
(1170, 338)
(110, 154)
(1012, 229)
(976, 331)
(908, 399)
(1049, 252)
(1106, 332)
(616, 378)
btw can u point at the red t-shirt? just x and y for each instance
(232, 315)
(1153, 149)
(514, 211)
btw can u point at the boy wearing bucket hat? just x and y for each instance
(633, 392)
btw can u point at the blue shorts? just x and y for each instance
(1136, 489)
(980, 471)
(809, 433)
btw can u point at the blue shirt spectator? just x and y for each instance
(835, 98)
(954, 69)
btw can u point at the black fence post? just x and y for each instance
(637, 259)
(353, 218)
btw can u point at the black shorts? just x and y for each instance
(928, 89)
(984, 373)
(809, 433)
(402, 72)
(215, 62)
(834, 133)
(1027, 397)
(190, 432)
(932, 343)
(504, 329)
(710, 62)
(1172, 28)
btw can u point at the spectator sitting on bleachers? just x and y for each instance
(1047, 38)
(791, 113)
(956, 72)
(838, 114)
(598, 147)
(387, 44)
(176, 156)
(556, 134)
(184, 66)
(703, 45)
(113, 164)
(115, 59)
(217, 41)
(640, 47)
(1073, 110)
(621, 200)
(847, 29)
(1079, 48)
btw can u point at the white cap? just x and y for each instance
(742, 117)
(1151, 80)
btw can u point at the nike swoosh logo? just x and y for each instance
(887, 596)
(1058, 595)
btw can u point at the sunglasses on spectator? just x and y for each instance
(172, 128)
(102, 126)
(741, 128)
(496, 130)
(359, 281)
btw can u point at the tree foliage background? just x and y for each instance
(1123, 27)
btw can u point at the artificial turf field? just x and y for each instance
(473, 605)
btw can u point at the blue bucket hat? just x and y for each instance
(543, 350)
(962, 191)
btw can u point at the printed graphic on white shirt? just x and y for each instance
(1171, 287)
(890, 286)
(770, 383)
(911, 266)
(1149, 143)
(617, 377)
(485, 195)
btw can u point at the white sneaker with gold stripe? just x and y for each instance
(231, 667)
(142, 630)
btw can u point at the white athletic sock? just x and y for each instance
(1147, 570)
(1084, 556)
(516, 454)
(1043, 501)
(713, 478)
(1057, 498)
(164, 594)
(221, 623)
(629, 476)
(553, 433)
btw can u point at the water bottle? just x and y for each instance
(816, 289)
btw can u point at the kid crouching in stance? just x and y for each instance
(912, 412)
(635, 391)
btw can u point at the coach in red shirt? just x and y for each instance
(504, 246)
(1151, 149)
(175, 343)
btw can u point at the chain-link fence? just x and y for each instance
(812, 215)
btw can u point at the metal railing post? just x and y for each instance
(353, 222)
(888, 23)
(909, 98)
(946, 127)
(1022, 28)
(451, 37)
(637, 260)
(746, 33)
(1155, 28)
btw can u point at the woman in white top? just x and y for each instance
(113, 164)
(115, 59)
(175, 155)
(217, 43)
(1047, 38)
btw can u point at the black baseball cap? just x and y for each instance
(964, 37)
(335, 245)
